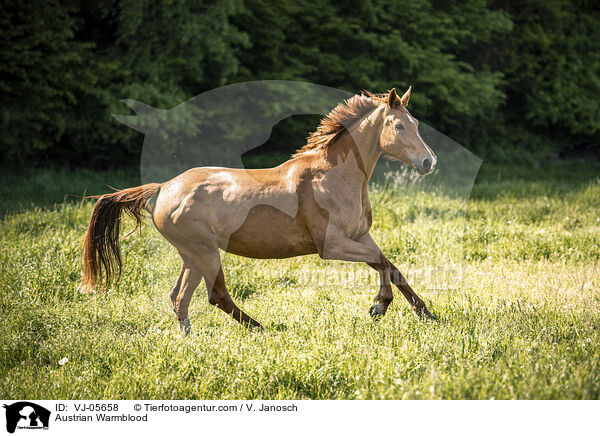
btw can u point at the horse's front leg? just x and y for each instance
(389, 273)
(415, 301)
(364, 249)
(385, 295)
(340, 247)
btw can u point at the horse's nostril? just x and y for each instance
(426, 164)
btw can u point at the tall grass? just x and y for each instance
(519, 309)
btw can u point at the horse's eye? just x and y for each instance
(399, 126)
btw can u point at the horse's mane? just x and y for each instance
(334, 124)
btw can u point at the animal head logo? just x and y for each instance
(26, 415)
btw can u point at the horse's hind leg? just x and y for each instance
(175, 291)
(181, 295)
(218, 295)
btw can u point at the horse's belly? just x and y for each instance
(269, 233)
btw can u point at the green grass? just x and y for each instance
(519, 309)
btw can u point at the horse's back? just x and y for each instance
(252, 212)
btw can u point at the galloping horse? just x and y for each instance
(316, 202)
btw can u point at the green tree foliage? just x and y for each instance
(41, 66)
(64, 71)
(378, 45)
(500, 77)
(551, 64)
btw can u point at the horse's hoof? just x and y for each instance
(376, 312)
(423, 313)
(185, 326)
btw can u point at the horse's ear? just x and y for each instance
(393, 98)
(406, 97)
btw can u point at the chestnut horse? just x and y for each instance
(316, 202)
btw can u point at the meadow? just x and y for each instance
(519, 310)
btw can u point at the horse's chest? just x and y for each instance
(355, 218)
(347, 202)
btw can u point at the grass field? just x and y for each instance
(519, 318)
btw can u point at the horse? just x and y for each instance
(317, 202)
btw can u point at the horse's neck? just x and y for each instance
(361, 143)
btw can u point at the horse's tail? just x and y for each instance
(101, 254)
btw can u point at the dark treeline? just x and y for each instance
(510, 80)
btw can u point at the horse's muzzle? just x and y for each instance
(425, 166)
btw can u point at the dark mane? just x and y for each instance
(334, 124)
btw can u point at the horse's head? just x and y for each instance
(400, 137)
